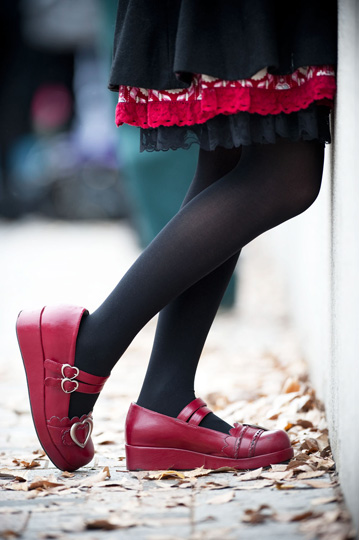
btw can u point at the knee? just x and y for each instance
(307, 192)
(305, 177)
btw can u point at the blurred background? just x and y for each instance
(62, 156)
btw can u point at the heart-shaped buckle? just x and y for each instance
(73, 389)
(73, 368)
(74, 427)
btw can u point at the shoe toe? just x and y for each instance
(272, 441)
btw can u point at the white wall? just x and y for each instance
(318, 254)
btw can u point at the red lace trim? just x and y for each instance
(206, 97)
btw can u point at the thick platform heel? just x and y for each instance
(28, 331)
(47, 340)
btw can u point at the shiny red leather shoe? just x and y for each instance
(47, 340)
(155, 441)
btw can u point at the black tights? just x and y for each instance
(235, 196)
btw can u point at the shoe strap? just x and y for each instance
(191, 408)
(71, 385)
(72, 372)
(73, 379)
(198, 416)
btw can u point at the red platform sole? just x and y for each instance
(140, 458)
(28, 330)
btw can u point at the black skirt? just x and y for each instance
(160, 44)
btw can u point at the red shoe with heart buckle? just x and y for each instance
(155, 441)
(47, 340)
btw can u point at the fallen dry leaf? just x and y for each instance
(179, 501)
(323, 500)
(310, 445)
(319, 484)
(9, 473)
(215, 485)
(43, 484)
(279, 467)
(40, 453)
(291, 385)
(250, 475)
(162, 475)
(303, 423)
(311, 474)
(67, 474)
(304, 515)
(28, 464)
(277, 475)
(110, 524)
(282, 485)
(223, 498)
(96, 478)
(260, 515)
(258, 484)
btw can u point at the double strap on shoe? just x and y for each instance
(194, 412)
(72, 379)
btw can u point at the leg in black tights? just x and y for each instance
(184, 324)
(270, 184)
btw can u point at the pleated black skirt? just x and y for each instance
(163, 45)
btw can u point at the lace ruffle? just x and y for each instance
(242, 128)
(207, 97)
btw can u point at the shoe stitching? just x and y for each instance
(225, 444)
(79, 419)
(254, 442)
(240, 440)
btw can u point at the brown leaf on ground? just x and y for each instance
(221, 469)
(67, 474)
(298, 460)
(42, 484)
(279, 468)
(324, 464)
(324, 500)
(250, 475)
(304, 423)
(278, 475)
(223, 498)
(331, 525)
(215, 485)
(179, 501)
(162, 475)
(258, 484)
(326, 452)
(96, 478)
(16, 486)
(110, 524)
(282, 485)
(319, 484)
(9, 473)
(310, 445)
(26, 464)
(304, 515)
(40, 453)
(311, 474)
(291, 385)
(259, 515)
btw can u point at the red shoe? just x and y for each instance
(155, 442)
(47, 340)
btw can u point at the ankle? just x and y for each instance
(165, 401)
